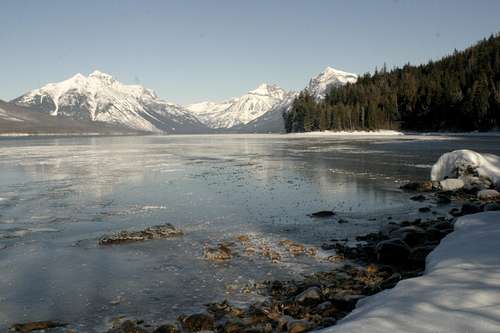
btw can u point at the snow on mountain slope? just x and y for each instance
(240, 110)
(330, 77)
(272, 121)
(99, 97)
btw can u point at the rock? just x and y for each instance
(488, 195)
(492, 206)
(443, 199)
(411, 235)
(234, 326)
(426, 186)
(155, 232)
(419, 254)
(451, 184)
(393, 251)
(219, 253)
(292, 247)
(424, 209)
(299, 326)
(419, 198)
(391, 281)
(167, 328)
(476, 183)
(35, 326)
(469, 208)
(309, 296)
(455, 212)
(127, 326)
(198, 322)
(323, 213)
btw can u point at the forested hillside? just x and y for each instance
(460, 92)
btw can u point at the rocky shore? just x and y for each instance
(377, 261)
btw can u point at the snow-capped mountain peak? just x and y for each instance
(266, 89)
(99, 97)
(239, 110)
(320, 84)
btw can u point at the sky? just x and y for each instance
(190, 51)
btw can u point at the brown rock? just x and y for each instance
(35, 326)
(198, 322)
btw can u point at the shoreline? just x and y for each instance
(374, 133)
(317, 300)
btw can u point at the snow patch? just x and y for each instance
(459, 292)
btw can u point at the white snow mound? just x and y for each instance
(454, 164)
(459, 292)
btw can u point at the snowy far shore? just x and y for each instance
(347, 133)
(459, 291)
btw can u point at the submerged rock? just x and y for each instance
(167, 328)
(198, 322)
(36, 326)
(310, 295)
(426, 186)
(155, 232)
(127, 326)
(218, 253)
(323, 213)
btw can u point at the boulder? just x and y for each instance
(488, 195)
(451, 184)
(392, 251)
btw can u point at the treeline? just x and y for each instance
(460, 92)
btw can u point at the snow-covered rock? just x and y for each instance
(99, 97)
(330, 77)
(459, 292)
(475, 169)
(239, 110)
(451, 184)
(488, 194)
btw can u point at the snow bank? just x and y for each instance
(454, 164)
(459, 292)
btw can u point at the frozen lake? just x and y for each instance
(59, 195)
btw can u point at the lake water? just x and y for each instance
(59, 195)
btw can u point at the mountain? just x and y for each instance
(240, 110)
(272, 121)
(99, 97)
(330, 77)
(15, 119)
(459, 92)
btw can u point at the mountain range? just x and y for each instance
(99, 98)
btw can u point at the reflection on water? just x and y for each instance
(57, 196)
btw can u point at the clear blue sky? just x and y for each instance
(189, 51)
